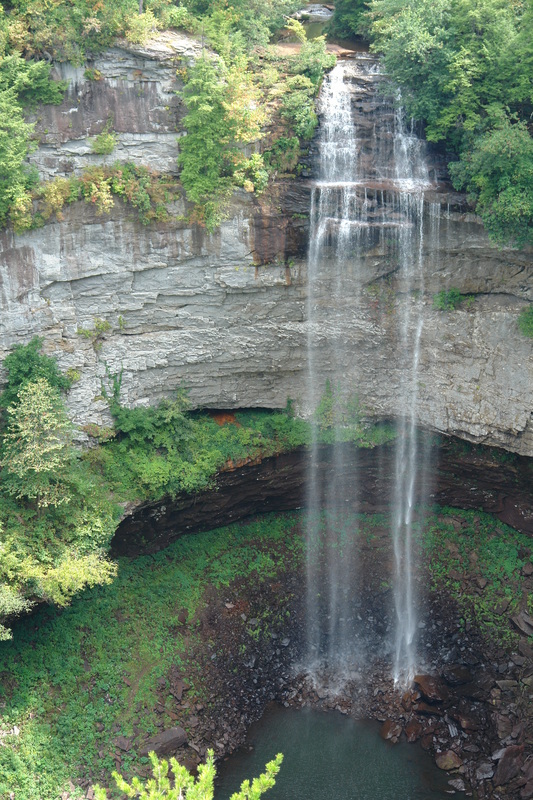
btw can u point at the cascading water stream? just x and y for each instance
(369, 195)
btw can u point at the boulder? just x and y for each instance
(123, 744)
(413, 730)
(484, 771)
(466, 722)
(458, 784)
(391, 730)
(448, 760)
(431, 688)
(456, 674)
(165, 742)
(509, 764)
(526, 792)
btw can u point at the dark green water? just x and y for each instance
(330, 757)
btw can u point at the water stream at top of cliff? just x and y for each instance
(368, 197)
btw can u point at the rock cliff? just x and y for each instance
(225, 314)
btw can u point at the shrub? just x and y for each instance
(105, 142)
(183, 784)
(140, 27)
(26, 364)
(283, 154)
(179, 17)
(497, 172)
(298, 106)
(252, 174)
(450, 299)
(313, 58)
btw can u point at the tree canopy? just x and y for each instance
(465, 67)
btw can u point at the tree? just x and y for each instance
(497, 172)
(159, 787)
(25, 364)
(21, 83)
(348, 17)
(37, 447)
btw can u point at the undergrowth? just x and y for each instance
(146, 190)
(478, 560)
(72, 681)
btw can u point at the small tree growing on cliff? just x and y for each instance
(185, 786)
(37, 448)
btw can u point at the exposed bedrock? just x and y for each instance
(225, 314)
(475, 479)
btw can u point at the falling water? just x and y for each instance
(369, 194)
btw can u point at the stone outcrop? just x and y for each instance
(225, 315)
(472, 480)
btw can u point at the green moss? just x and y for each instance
(525, 322)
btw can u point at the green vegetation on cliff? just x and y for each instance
(235, 98)
(465, 67)
(22, 84)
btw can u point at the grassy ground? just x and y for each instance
(72, 681)
(479, 561)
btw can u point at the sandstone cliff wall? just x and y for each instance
(225, 314)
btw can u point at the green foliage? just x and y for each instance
(497, 172)
(146, 190)
(448, 58)
(339, 418)
(69, 31)
(298, 108)
(203, 157)
(313, 59)
(252, 174)
(83, 673)
(179, 17)
(283, 154)
(27, 364)
(105, 142)
(525, 322)
(246, 23)
(11, 604)
(223, 112)
(22, 83)
(464, 66)
(140, 27)
(450, 299)
(348, 18)
(14, 147)
(183, 785)
(56, 520)
(30, 80)
(165, 450)
(37, 446)
(226, 106)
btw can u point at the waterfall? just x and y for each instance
(368, 196)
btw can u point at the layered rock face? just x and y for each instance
(226, 315)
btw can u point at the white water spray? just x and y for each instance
(369, 196)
